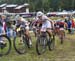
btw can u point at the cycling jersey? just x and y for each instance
(44, 23)
(22, 23)
(60, 24)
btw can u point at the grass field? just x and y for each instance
(65, 52)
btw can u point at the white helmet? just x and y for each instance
(17, 17)
(39, 13)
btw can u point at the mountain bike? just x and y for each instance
(43, 40)
(21, 42)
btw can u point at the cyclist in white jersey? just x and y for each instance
(46, 24)
(24, 23)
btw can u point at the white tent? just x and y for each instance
(73, 12)
(62, 13)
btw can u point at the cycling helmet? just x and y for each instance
(39, 13)
(17, 17)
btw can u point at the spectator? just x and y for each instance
(69, 23)
(73, 25)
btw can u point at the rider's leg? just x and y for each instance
(49, 32)
(62, 35)
(28, 35)
(62, 32)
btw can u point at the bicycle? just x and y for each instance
(6, 48)
(43, 40)
(21, 37)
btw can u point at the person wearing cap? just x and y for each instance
(24, 23)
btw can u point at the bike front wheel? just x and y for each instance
(41, 45)
(5, 45)
(20, 45)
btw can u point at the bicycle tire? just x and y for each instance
(25, 46)
(51, 43)
(44, 45)
(9, 41)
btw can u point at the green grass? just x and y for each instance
(65, 52)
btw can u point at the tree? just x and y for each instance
(45, 5)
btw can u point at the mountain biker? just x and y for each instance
(61, 25)
(24, 23)
(44, 22)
